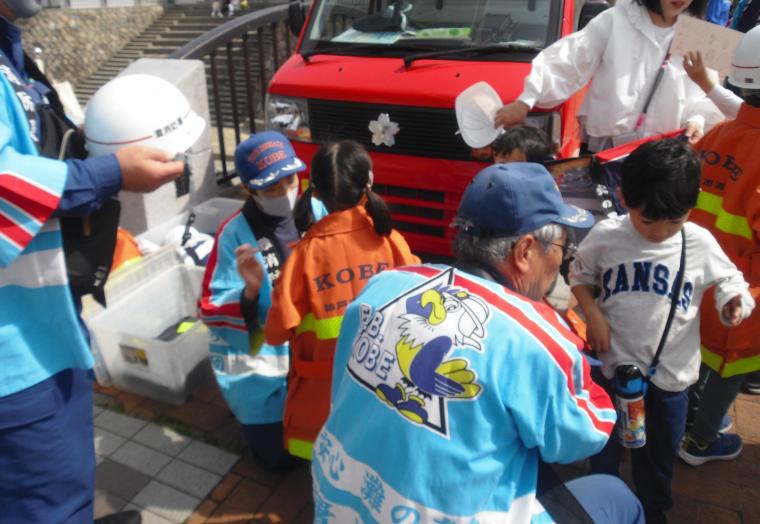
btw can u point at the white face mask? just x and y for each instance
(280, 206)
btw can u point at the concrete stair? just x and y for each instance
(177, 26)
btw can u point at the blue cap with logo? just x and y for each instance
(514, 199)
(265, 158)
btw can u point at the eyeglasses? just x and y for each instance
(568, 249)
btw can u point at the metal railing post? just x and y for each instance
(262, 68)
(208, 46)
(218, 113)
(275, 47)
(250, 88)
(233, 92)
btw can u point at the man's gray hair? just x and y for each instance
(493, 250)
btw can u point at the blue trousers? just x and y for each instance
(266, 443)
(607, 500)
(651, 465)
(47, 457)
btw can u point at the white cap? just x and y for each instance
(476, 109)
(143, 110)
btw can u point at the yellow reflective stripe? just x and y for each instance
(724, 221)
(324, 328)
(710, 359)
(300, 448)
(742, 366)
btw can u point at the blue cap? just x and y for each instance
(265, 158)
(514, 199)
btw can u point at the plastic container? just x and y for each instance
(209, 215)
(143, 300)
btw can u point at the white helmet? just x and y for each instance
(140, 109)
(745, 66)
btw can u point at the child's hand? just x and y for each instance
(250, 270)
(597, 331)
(693, 132)
(695, 68)
(732, 311)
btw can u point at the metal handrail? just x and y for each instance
(220, 39)
(203, 45)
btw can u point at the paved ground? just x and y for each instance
(188, 464)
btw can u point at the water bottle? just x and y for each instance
(629, 386)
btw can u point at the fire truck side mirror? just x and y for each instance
(296, 16)
(590, 10)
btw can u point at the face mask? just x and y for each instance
(280, 206)
(23, 8)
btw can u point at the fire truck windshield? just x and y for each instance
(403, 27)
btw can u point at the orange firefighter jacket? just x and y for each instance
(326, 270)
(729, 206)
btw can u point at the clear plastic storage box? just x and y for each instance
(143, 301)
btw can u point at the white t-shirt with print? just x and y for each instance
(636, 277)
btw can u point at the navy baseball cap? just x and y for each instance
(514, 199)
(265, 158)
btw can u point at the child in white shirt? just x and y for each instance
(634, 259)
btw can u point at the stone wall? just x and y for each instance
(77, 41)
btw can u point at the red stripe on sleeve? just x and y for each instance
(555, 350)
(32, 199)
(206, 306)
(13, 233)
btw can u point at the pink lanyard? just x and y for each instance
(657, 79)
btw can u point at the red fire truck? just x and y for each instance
(386, 74)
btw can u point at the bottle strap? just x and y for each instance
(673, 305)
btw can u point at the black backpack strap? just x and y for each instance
(27, 104)
(563, 507)
(30, 66)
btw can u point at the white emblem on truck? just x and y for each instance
(383, 130)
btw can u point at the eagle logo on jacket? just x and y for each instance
(411, 352)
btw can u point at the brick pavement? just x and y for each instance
(241, 492)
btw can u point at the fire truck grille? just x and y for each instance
(421, 229)
(423, 131)
(409, 192)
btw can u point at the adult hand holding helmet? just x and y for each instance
(145, 121)
(144, 169)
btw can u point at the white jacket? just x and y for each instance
(618, 51)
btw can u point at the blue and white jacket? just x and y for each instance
(39, 329)
(252, 374)
(447, 389)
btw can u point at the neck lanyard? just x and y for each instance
(657, 80)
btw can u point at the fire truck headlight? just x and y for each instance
(289, 116)
(551, 123)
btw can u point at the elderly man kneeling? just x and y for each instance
(451, 384)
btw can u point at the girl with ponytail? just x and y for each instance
(326, 270)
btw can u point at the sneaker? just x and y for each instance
(752, 383)
(726, 447)
(726, 424)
